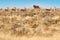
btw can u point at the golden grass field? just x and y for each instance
(30, 23)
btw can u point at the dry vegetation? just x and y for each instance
(30, 22)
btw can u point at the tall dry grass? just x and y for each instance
(30, 21)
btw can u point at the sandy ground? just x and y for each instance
(10, 37)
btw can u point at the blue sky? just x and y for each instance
(29, 3)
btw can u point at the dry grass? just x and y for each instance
(30, 22)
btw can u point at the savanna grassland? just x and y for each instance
(29, 22)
